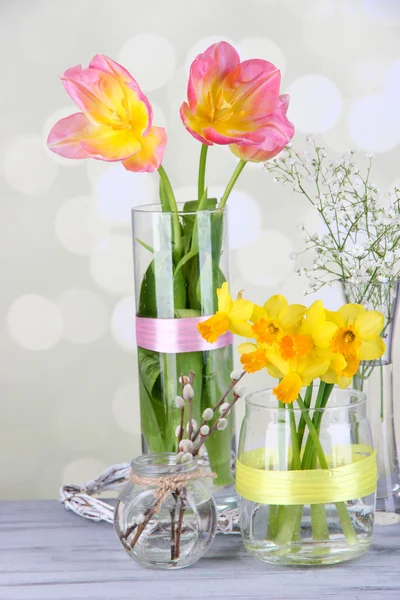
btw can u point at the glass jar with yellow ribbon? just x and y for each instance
(306, 477)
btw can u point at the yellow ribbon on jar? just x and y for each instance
(259, 480)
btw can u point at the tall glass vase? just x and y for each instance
(173, 294)
(376, 379)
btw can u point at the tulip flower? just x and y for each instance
(278, 133)
(116, 119)
(230, 102)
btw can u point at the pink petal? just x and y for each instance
(150, 156)
(65, 137)
(209, 68)
(255, 87)
(103, 63)
(277, 134)
(88, 89)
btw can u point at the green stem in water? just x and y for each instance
(241, 165)
(345, 520)
(176, 226)
(202, 172)
(296, 463)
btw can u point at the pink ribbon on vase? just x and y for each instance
(173, 336)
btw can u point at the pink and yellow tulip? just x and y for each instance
(233, 102)
(116, 119)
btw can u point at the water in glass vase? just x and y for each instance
(306, 487)
(172, 294)
(170, 534)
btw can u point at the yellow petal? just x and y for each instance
(322, 335)
(274, 372)
(246, 348)
(312, 367)
(372, 349)
(334, 317)
(351, 312)
(330, 376)
(290, 316)
(338, 362)
(315, 314)
(369, 324)
(241, 310)
(288, 389)
(242, 328)
(258, 313)
(275, 305)
(277, 361)
(344, 382)
(224, 298)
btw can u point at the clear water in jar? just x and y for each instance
(175, 536)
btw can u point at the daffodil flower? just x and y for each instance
(253, 357)
(358, 332)
(295, 374)
(275, 319)
(357, 338)
(232, 315)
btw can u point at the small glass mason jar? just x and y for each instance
(305, 514)
(171, 531)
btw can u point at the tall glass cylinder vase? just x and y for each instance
(375, 378)
(175, 287)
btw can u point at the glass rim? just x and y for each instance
(270, 401)
(161, 463)
(156, 208)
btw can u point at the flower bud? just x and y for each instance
(224, 407)
(205, 430)
(239, 390)
(188, 392)
(177, 430)
(139, 519)
(208, 414)
(188, 457)
(179, 457)
(179, 402)
(186, 446)
(235, 375)
(222, 424)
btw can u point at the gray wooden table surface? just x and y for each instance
(47, 553)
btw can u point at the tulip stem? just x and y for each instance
(232, 181)
(176, 226)
(202, 173)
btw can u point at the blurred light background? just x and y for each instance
(69, 400)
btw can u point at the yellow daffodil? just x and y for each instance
(318, 326)
(358, 332)
(275, 319)
(253, 357)
(295, 374)
(341, 369)
(232, 315)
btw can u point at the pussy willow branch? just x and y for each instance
(220, 401)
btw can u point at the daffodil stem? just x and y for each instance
(169, 192)
(202, 172)
(241, 165)
(345, 519)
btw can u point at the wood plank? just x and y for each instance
(47, 553)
